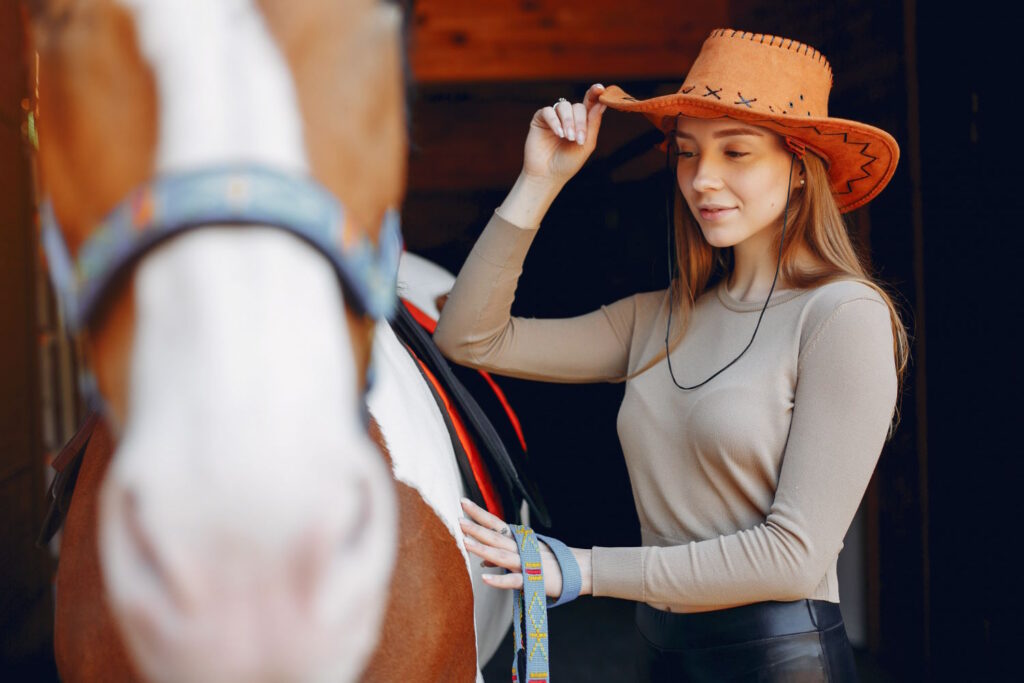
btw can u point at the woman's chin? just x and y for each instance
(719, 237)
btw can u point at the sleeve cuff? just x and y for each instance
(619, 573)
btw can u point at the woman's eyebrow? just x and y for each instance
(728, 132)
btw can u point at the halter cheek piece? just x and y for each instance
(242, 195)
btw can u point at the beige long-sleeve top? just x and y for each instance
(744, 487)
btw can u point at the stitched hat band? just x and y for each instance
(782, 85)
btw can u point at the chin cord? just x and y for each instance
(670, 214)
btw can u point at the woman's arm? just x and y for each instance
(844, 402)
(845, 395)
(476, 327)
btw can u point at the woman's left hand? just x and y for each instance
(486, 540)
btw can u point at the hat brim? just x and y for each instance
(861, 159)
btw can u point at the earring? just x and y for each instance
(801, 181)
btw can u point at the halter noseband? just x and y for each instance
(233, 195)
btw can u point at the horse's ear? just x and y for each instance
(346, 59)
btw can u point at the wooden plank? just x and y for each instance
(12, 90)
(507, 40)
(17, 342)
(26, 610)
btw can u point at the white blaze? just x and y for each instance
(267, 514)
(225, 91)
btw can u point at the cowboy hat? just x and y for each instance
(782, 85)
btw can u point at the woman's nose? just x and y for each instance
(707, 177)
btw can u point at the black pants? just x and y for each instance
(799, 642)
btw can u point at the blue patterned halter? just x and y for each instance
(232, 195)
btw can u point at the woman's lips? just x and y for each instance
(715, 214)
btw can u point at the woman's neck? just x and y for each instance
(754, 264)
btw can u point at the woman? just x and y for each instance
(755, 407)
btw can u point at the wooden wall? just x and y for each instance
(543, 40)
(26, 611)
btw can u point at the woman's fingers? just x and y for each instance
(482, 516)
(579, 114)
(594, 115)
(511, 581)
(488, 537)
(572, 121)
(502, 558)
(565, 115)
(551, 118)
(593, 93)
(487, 528)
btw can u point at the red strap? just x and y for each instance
(512, 417)
(425, 321)
(480, 473)
(429, 324)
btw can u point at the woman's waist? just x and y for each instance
(716, 628)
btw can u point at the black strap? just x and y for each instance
(491, 447)
(461, 457)
(67, 464)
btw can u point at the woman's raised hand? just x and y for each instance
(562, 136)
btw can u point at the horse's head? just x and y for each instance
(247, 520)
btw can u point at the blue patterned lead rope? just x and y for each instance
(242, 195)
(530, 605)
(572, 578)
(529, 612)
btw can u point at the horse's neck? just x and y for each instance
(424, 459)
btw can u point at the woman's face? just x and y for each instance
(733, 177)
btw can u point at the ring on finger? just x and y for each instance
(560, 101)
(504, 532)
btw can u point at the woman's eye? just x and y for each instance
(735, 155)
(687, 154)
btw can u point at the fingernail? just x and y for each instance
(599, 85)
(561, 132)
(580, 139)
(572, 136)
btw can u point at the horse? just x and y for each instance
(241, 514)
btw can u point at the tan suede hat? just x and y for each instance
(782, 85)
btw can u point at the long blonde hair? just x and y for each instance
(814, 224)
